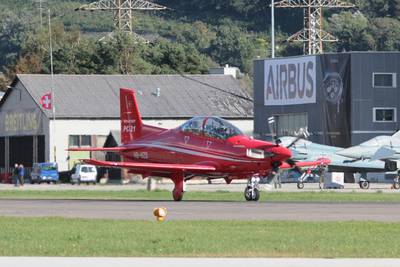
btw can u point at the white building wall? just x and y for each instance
(65, 128)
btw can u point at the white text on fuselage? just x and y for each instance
(128, 126)
(140, 155)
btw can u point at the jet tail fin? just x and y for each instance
(131, 120)
(396, 134)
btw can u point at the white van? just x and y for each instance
(84, 174)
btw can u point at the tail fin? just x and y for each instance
(396, 134)
(131, 120)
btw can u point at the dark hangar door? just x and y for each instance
(21, 150)
(41, 150)
(2, 152)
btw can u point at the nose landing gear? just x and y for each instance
(252, 193)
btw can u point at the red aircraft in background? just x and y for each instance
(207, 147)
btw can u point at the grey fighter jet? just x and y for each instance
(306, 150)
(382, 147)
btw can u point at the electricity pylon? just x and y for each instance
(122, 10)
(313, 35)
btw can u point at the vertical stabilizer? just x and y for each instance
(131, 120)
(396, 134)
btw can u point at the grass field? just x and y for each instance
(79, 237)
(216, 196)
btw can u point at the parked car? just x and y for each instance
(44, 172)
(84, 173)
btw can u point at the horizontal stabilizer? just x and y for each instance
(383, 153)
(145, 166)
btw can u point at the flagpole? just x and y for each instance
(273, 28)
(52, 92)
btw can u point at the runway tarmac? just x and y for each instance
(201, 210)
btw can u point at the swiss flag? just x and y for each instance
(45, 101)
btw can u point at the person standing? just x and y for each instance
(15, 175)
(21, 173)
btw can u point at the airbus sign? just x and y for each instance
(290, 81)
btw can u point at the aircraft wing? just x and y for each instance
(304, 164)
(356, 166)
(383, 153)
(150, 167)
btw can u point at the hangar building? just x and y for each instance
(341, 99)
(87, 109)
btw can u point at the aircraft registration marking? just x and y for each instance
(140, 155)
(208, 144)
(186, 139)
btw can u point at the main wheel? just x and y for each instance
(251, 197)
(396, 185)
(300, 185)
(364, 184)
(177, 195)
(256, 195)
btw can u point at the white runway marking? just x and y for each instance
(192, 262)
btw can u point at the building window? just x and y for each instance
(385, 114)
(73, 140)
(291, 124)
(380, 80)
(80, 140)
(86, 140)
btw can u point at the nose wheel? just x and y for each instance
(251, 192)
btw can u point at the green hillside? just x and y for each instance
(189, 37)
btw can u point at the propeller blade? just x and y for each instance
(293, 142)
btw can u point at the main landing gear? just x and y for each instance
(252, 193)
(178, 191)
(364, 183)
(396, 183)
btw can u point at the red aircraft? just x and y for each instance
(207, 147)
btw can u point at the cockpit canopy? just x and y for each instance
(211, 127)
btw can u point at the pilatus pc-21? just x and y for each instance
(204, 147)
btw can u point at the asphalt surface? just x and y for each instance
(201, 185)
(193, 262)
(201, 210)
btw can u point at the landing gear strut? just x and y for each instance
(252, 193)
(178, 191)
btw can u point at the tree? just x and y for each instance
(13, 30)
(387, 34)
(352, 31)
(232, 46)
